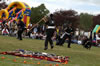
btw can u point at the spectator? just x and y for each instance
(32, 35)
(35, 30)
(5, 31)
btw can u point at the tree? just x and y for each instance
(96, 20)
(3, 5)
(38, 12)
(86, 21)
(65, 17)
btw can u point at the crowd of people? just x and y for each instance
(48, 32)
(8, 28)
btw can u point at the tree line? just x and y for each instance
(82, 21)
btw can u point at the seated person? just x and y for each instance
(32, 35)
(87, 43)
(5, 31)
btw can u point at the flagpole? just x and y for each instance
(42, 19)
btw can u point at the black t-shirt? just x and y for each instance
(69, 30)
(50, 23)
(21, 24)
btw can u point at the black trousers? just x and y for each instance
(63, 38)
(20, 34)
(49, 33)
(57, 39)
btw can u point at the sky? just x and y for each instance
(81, 6)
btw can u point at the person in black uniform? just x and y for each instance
(49, 32)
(67, 34)
(21, 28)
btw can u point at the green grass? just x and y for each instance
(79, 56)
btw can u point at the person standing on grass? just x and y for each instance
(67, 34)
(49, 32)
(21, 28)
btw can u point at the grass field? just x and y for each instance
(79, 56)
